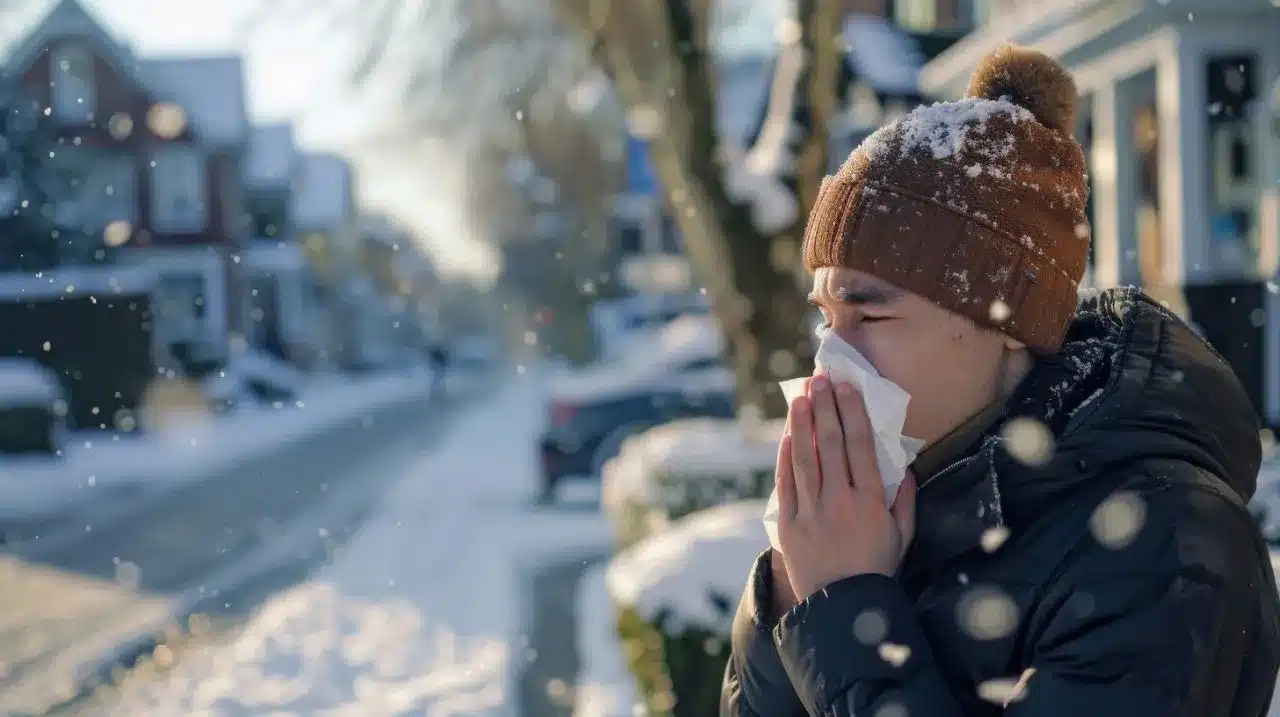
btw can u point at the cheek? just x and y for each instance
(901, 353)
(941, 369)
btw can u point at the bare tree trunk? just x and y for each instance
(660, 61)
(764, 311)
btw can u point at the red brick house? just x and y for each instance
(155, 160)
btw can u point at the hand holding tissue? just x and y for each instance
(886, 406)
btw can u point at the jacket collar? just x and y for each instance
(956, 508)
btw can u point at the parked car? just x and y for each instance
(250, 377)
(592, 411)
(32, 408)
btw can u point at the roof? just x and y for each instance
(66, 19)
(210, 89)
(272, 157)
(323, 195)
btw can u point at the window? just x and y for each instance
(701, 364)
(918, 15)
(73, 90)
(671, 241)
(630, 237)
(110, 192)
(976, 12)
(180, 310)
(178, 184)
(1234, 195)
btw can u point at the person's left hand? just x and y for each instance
(833, 522)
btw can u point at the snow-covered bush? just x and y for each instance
(676, 593)
(685, 466)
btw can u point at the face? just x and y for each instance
(951, 367)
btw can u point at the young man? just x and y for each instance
(1075, 540)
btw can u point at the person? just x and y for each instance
(1074, 538)
(438, 355)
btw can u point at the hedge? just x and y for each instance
(676, 593)
(682, 467)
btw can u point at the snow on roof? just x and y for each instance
(66, 19)
(209, 89)
(694, 571)
(23, 381)
(78, 281)
(271, 158)
(272, 256)
(883, 55)
(323, 193)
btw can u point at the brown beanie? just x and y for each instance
(977, 205)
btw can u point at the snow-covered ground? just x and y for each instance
(92, 462)
(423, 612)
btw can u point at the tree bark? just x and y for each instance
(751, 277)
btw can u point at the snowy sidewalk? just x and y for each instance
(422, 613)
(94, 463)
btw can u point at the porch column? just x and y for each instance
(1184, 187)
(1267, 140)
(1268, 135)
(1114, 191)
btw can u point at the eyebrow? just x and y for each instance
(863, 296)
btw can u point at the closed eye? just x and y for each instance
(825, 327)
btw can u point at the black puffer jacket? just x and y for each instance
(1131, 580)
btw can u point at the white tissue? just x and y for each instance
(886, 406)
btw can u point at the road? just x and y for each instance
(71, 596)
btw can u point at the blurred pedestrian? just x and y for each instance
(438, 356)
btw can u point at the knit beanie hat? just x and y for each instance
(977, 205)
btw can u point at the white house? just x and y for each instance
(1180, 127)
(324, 216)
(285, 296)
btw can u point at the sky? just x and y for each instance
(298, 71)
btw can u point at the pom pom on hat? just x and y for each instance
(1030, 79)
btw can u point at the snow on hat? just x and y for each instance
(977, 205)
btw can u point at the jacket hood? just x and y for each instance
(1131, 382)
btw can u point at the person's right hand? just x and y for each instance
(784, 597)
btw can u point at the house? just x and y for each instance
(285, 300)
(1184, 152)
(406, 278)
(325, 220)
(153, 157)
